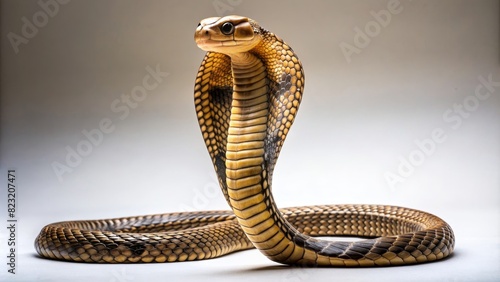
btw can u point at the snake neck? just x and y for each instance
(247, 126)
(247, 175)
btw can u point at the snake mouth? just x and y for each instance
(224, 46)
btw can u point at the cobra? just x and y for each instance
(247, 93)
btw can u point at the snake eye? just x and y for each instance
(227, 28)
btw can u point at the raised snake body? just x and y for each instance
(247, 93)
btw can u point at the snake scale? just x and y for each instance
(247, 93)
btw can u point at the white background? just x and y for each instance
(360, 115)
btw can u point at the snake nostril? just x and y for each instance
(206, 32)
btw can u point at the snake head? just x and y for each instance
(230, 34)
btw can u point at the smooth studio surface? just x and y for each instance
(395, 111)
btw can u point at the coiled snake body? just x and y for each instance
(247, 93)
